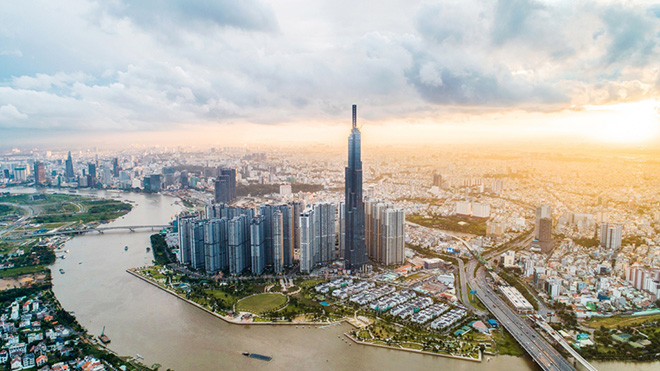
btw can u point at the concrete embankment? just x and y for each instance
(224, 318)
(356, 341)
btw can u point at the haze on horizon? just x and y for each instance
(225, 72)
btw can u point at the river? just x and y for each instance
(141, 319)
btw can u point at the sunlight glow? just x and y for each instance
(627, 122)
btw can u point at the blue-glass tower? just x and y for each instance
(355, 252)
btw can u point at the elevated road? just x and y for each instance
(547, 357)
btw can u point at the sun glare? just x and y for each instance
(627, 122)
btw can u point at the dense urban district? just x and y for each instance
(35, 331)
(456, 252)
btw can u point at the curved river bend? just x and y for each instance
(141, 319)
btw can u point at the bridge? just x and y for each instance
(130, 228)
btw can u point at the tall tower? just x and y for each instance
(355, 248)
(69, 167)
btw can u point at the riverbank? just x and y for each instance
(232, 320)
(228, 319)
(479, 359)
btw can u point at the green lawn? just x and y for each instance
(506, 344)
(412, 346)
(475, 302)
(12, 272)
(6, 210)
(221, 295)
(261, 303)
(614, 321)
(308, 283)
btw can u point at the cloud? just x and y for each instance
(249, 15)
(146, 65)
(633, 33)
(11, 114)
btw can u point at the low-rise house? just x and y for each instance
(60, 366)
(17, 350)
(41, 360)
(28, 360)
(16, 363)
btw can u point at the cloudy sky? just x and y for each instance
(226, 70)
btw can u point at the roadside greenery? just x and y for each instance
(162, 253)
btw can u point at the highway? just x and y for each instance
(464, 292)
(536, 346)
(29, 212)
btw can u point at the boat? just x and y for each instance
(103, 337)
(63, 256)
(61, 271)
(125, 248)
(257, 356)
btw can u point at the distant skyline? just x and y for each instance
(223, 72)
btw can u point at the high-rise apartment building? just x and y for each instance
(258, 244)
(278, 231)
(185, 224)
(296, 209)
(239, 244)
(215, 245)
(197, 245)
(308, 240)
(355, 254)
(610, 236)
(384, 232)
(324, 220)
(317, 236)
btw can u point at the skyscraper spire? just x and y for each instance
(355, 116)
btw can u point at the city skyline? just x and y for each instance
(424, 72)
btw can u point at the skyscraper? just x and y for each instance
(307, 240)
(225, 186)
(543, 211)
(197, 245)
(355, 253)
(115, 167)
(610, 236)
(324, 220)
(257, 243)
(437, 180)
(215, 245)
(185, 225)
(69, 167)
(393, 244)
(384, 232)
(39, 173)
(239, 244)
